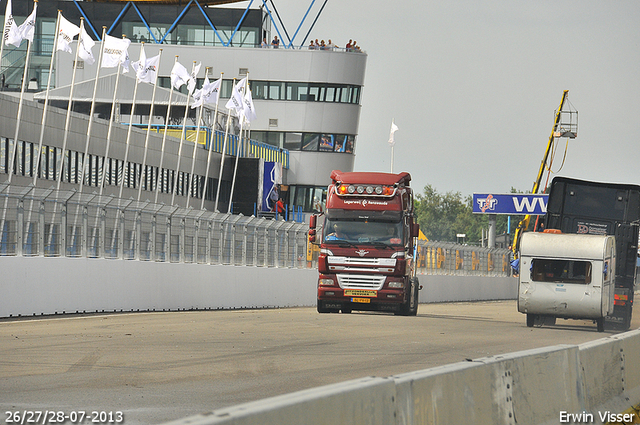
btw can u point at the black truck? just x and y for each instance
(586, 207)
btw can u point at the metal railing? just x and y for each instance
(452, 258)
(50, 223)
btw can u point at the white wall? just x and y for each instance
(41, 285)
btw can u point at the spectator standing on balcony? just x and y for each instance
(312, 46)
(349, 45)
(264, 44)
(323, 46)
(275, 43)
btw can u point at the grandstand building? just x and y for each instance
(307, 104)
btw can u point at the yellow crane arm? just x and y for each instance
(524, 224)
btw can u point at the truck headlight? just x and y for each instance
(396, 284)
(325, 282)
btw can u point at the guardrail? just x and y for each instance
(595, 382)
(51, 223)
(451, 258)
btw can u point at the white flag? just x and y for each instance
(115, 52)
(191, 84)
(235, 101)
(197, 97)
(394, 128)
(15, 35)
(139, 64)
(179, 76)
(249, 109)
(28, 27)
(211, 91)
(208, 94)
(66, 32)
(9, 24)
(85, 46)
(146, 69)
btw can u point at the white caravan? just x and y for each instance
(566, 275)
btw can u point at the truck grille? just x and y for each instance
(354, 261)
(355, 281)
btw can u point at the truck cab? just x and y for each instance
(367, 244)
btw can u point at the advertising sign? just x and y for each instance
(512, 203)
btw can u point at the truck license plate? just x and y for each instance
(360, 300)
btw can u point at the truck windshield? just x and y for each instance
(363, 232)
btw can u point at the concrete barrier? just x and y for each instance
(611, 375)
(50, 285)
(590, 383)
(455, 288)
(39, 285)
(367, 401)
(523, 387)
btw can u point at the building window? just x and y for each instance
(310, 141)
(292, 141)
(326, 143)
(307, 198)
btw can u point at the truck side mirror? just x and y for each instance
(312, 221)
(415, 230)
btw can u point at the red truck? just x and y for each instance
(367, 244)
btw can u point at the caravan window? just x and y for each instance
(563, 271)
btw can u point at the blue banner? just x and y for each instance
(269, 186)
(512, 204)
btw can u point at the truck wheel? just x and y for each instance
(406, 309)
(416, 297)
(600, 324)
(531, 319)
(323, 309)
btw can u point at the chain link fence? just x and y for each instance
(51, 223)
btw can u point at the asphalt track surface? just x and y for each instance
(156, 367)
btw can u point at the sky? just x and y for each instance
(473, 87)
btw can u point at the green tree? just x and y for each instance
(440, 215)
(443, 216)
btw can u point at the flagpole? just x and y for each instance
(46, 98)
(213, 133)
(195, 145)
(392, 141)
(182, 137)
(126, 151)
(111, 118)
(391, 159)
(146, 140)
(224, 148)
(18, 121)
(68, 120)
(8, 13)
(160, 180)
(15, 139)
(235, 168)
(93, 108)
(88, 138)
